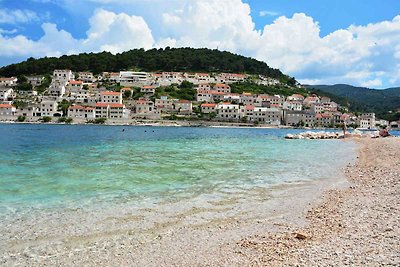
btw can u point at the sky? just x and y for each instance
(316, 41)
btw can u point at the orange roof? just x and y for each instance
(249, 107)
(99, 104)
(208, 105)
(116, 105)
(75, 82)
(148, 87)
(217, 93)
(247, 94)
(77, 107)
(141, 102)
(7, 79)
(5, 106)
(111, 93)
(111, 105)
(222, 85)
(126, 89)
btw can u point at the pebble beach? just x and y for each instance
(352, 222)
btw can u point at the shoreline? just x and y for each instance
(357, 225)
(246, 229)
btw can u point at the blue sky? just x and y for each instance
(317, 41)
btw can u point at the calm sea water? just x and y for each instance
(67, 166)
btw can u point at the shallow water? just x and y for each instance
(75, 166)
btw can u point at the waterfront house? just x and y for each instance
(82, 112)
(7, 110)
(49, 108)
(323, 120)
(164, 104)
(111, 97)
(208, 108)
(228, 111)
(366, 120)
(183, 106)
(272, 116)
(143, 106)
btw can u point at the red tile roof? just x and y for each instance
(5, 106)
(111, 93)
(209, 105)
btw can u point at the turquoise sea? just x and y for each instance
(72, 166)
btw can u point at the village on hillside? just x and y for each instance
(122, 97)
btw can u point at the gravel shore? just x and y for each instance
(358, 226)
(355, 222)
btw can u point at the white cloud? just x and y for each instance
(264, 13)
(16, 16)
(108, 32)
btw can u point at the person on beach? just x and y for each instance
(344, 129)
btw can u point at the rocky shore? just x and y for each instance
(357, 226)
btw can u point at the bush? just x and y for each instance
(21, 118)
(62, 119)
(45, 119)
(68, 120)
(100, 120)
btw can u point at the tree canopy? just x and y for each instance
(168, 59)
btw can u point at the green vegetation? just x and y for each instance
(45, 119)
(21, 118)
(384, 103)
(64, 106)
(98, 121)
(254, 88)
(65, 120)
(168, 59)
(45, 84)
(183, 91)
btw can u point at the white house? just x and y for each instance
(57, 89)
(111, 97)
(48, 108)
(208, 108)
(183, 106)
(9, 82)
(129, 78)
(7, 110)
(63, 76)
(81, 112)
(6, 93)
(35, 80)
(75, 85)
(147, 89)
(293, 105)
(86, 77)
(228, 111)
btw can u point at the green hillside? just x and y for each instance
(168, 59)
(385, 103)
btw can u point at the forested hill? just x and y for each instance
(168, 59)
(384, 103)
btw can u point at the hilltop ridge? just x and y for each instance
(168, 59)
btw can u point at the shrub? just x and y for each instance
(21, 118)
(45, 119)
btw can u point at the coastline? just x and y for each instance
(355, 226)
(252, 228)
